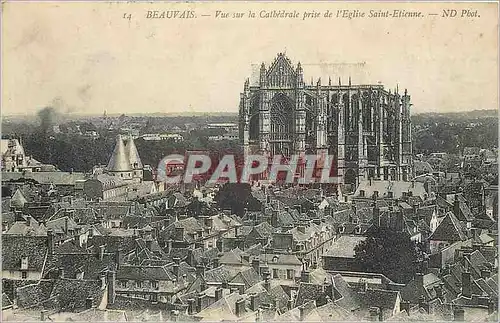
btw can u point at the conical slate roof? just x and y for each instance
(119, 161)
(18, 200)
(133, 154)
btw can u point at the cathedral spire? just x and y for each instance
(329, 81)
(340, 83)
(349, 80)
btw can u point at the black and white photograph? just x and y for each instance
(233, 161)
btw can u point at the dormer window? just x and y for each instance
(24, 263)
(361, 193)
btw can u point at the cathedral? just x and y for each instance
(366, 128)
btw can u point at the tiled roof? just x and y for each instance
(250, 276)
(345, 296)
(18, 200)
(56, 178)
(344, 246)
(97, 315)
(72, 294)
(333, 312)
(449, 229)
(6, 301)
(14, 248)
(312, 292)
(72, 263)
(143, 273)
(221, 274)
(34, 294)
(21, 228)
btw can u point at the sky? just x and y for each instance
(85, 58)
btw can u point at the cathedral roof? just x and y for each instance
(119, 161)
(133, 154)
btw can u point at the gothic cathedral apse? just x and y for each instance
(365, 127)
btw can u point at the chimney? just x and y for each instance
(458, 314)
(302, 313)
(419, 279)
(117, 259)
(267, 283)
(289, 304)
(28, 221)
(256, 264)
(179, 234)
(456, 206)
(149, 243)
(439, 290)
(43, 315)
(240, 307)
(66, 220)
(174, 314)
(466, 260)
(422, 303)
(111, 287)
(218, 293)
(101, 252)
(103, 280)
(254, 302)
(466, 285)
(50, 241)
(209, 222)
(415, 209)
(175, 270)
(220, 244)
(191, 306)
(304, 276)
(376, 215)
(237, 230)
(169, 246)
(200, 271)
(491, 306)
(61, 272)
(88, 302)
(199, 302)
(274, 218)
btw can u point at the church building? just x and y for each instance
(366, 128)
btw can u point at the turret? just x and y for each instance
(262, 75)
(119, 163)
(300, 75)
(134, 159)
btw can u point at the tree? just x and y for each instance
(237, 197)
(390, 253)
